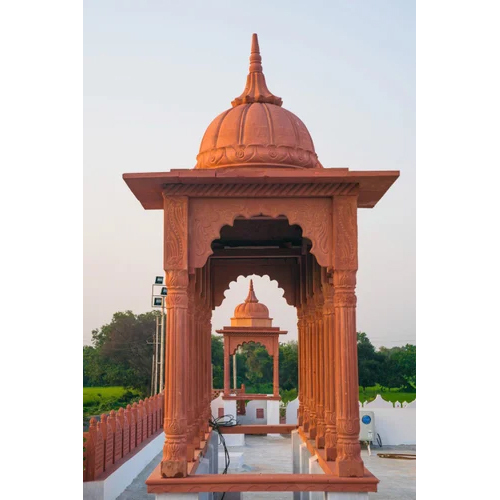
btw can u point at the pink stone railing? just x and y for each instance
(118, 434)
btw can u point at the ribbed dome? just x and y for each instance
(257, 131)
(251, 308)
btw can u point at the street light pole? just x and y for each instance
(159, 301)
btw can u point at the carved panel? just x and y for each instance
(208, 215)
(175, 232)
(345, 232)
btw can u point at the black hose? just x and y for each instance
(216, 424)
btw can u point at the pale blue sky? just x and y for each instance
(156, 74)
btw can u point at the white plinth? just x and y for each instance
(273, 414)
(314, 468)
(232, 439)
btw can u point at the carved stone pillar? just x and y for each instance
(174, 461)
(312, 371)
(306, 369)
(313, 428)
(348, 462)
(276, 369)
(320, 377)
(300, 330)
(201, 347)
(226, 367)
(208, 364)
(189, 373)
(329, 372)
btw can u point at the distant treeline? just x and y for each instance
(121, 354)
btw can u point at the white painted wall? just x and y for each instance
(291, 411)
(250, 418)
(396, 424)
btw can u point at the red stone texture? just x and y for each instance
(109, 442)
(259, 202)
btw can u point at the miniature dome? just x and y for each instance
(251, 312)
(257, 131)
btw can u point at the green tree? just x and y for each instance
(399, 367)
(405, 359)
(217, 362)
(122, 351)
(289, 354)
(259, 365)
(370, 362)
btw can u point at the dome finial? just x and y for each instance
(251, 297)
(256, 89)
(255, 59)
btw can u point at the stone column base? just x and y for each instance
(273, 414)
(232, 439)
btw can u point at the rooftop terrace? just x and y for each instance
(266, 454)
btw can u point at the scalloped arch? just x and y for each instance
(285, 274)
(208, 215)
(269, 343)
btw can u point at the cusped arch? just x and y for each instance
(268, 342)
(285, 274)
(208, 216)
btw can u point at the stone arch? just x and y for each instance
(283, 274)
(268, 343)
(313, 215)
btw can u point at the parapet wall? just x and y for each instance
(117, 434)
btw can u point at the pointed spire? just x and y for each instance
(251, 297)
(255, 59)
(256, 89)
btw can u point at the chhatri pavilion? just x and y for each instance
(251, 323)
(258, 201)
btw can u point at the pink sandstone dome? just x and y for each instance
(257, 131)
(251, 308)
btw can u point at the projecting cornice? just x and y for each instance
(150, 187)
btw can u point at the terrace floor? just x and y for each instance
(266, 454)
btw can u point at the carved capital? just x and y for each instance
(176, 279)
(344, 283)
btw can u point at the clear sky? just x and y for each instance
(157, 72)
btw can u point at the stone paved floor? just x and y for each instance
(266, 454)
